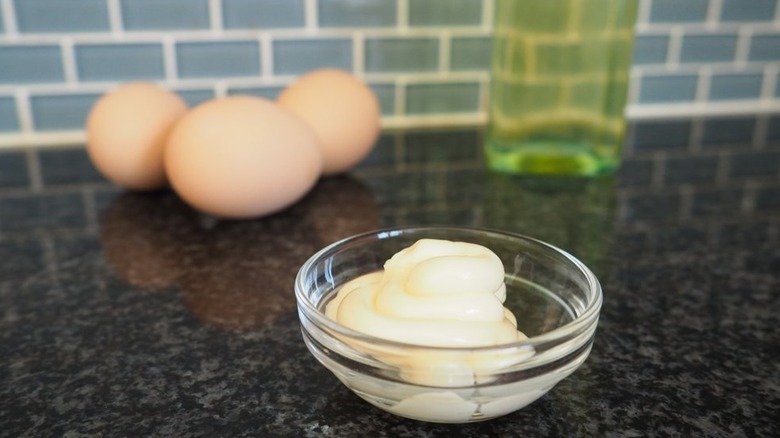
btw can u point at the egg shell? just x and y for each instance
(343, 112)
(126, 133)
(241, 157)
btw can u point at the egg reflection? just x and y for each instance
(243, 278)
(233, 275)
(339, 207)
(143, 236)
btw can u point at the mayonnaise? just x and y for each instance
(434, 293)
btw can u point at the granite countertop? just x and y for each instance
(130, 315)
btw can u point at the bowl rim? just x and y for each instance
(588, 317)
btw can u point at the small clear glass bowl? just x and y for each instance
(555, 298)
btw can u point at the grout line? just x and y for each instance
(744, 37)
(484, 95)
(266, 56)
(9, 14)
(488, 13)
(311, 15)
(169, 58)
(777, 13)
(34, 170)
(115, 17)
(402, 15)
(400, 96)
(215, 15)
(713, 13)
(703, 85)
(444, 51)
(23, 110)
(675, 47)
(769, 84)
(358, 55)
(643, 12)
(69, 61)
(220, 89)
(634, 87)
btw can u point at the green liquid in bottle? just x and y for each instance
(559, 81)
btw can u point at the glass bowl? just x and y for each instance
(555, 297)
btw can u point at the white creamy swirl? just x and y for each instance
(434, 293)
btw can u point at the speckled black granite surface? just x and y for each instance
(130, 315)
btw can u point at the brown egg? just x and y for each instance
(126, 133)
(343, 112)
(241, 157)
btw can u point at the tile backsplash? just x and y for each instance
(427, 60)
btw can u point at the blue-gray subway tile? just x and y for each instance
(263, 14)
(698, 48)
(441, 147)
(431, 98)
(214, 59)
(67, 166)
(9, 121)
(773, 130)
(363, 13)
(635, 172)
(735, 86)
(61, 112)
(165, 15)
(753, 10)
(675, 11)
(668, 88)
(768, 198)
(445, 12)
(764, 47)
(470, 53)
(650, 49)
(728, 131)
(652, 207)
(26, 213)
(763, 163)
(293, 57)
(26, 64)
(690, 169)
(195, 97)
(119, 62)
(661, 135)
(269, 92)
(385, 93)
(382, 154)
(400, 54)
(13, 169)
(57, 16)
(716, 202)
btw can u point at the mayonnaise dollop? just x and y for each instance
(436, 293)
